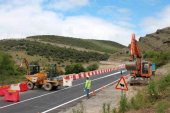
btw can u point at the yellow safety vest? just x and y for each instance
(88, 84)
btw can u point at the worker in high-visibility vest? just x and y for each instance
(87, 86)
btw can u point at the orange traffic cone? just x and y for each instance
(93, 93)
(102, 88)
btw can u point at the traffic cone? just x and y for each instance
(93, 93)
(102, 88)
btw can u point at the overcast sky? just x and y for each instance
(112, 20)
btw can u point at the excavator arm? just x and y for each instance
(135, 53)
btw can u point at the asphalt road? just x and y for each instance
(41, 101)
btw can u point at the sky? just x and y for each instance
(113, 20)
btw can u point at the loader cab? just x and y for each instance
(34, 69)
(52, 72)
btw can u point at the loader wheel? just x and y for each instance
(48, 86)
(30, 85)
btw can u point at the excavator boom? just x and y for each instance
(136, 66)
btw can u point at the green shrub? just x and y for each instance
(92, 67)
(114, 110)
(161, 107)
(153, 90)
(158, 57)
(138, 101)
(163, 83)
(8, 69)
(123, 104)
(106, 108)
(76, 68)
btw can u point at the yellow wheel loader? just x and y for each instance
(48, 80)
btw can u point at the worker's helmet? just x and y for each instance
(87, 76)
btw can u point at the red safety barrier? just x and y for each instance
(85, 75)
(79, 75)
(23, 86)
(74, 77)
(67, 77)
(12, 95)
(96, 72)
(3, 89)
(99, 72)
(89, 74)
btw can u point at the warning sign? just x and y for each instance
(122, 85)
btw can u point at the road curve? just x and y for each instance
(38, 100)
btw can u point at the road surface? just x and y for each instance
(41, 101)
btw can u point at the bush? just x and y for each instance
(92, 67)
(8, 69)
(161, 107)
(163, 83)
(138, 101)
(159, 58)
(123, 105)
(153, 90)
(106, 108)
(76, 68)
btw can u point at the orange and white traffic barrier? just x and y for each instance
(67, 80)
(12, 96)
(23, 86)
(19, 87)
(15, 87)
(3, 89)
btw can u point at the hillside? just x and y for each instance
(61, 50)
(88, 44)
(158, 41)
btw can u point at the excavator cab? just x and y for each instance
(146, 69)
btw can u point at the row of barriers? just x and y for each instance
(91, 73)
(12, 92)
(68, 79)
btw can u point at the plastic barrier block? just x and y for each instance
(23, 87)
(79, 75)
(74, 77)
(12, 96)
(15, 87)
(3, 89)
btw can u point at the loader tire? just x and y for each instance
(48, 86)
(30, 85)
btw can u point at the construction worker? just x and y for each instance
(87, 86)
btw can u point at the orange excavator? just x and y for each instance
(140, 70)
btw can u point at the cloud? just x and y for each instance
(96, 28)
(65, 5)
(117, 13)
(158, 21)
(31, 19)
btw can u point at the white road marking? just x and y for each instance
(56, 91)
(76, 98)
